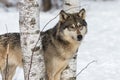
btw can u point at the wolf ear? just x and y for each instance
(82, 13)
(63, 15)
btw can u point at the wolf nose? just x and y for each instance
(79, 37)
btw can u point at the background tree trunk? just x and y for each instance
(6, 3)
(47, 5)
(29, 28)
(70, 72)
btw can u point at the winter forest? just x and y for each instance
(98, 57)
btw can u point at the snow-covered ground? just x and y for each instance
(101, 43)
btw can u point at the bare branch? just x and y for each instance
(49, 22)
(86, 67)
(6, 70)
(32, 57)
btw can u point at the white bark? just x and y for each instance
(71, 6)
(29, 28)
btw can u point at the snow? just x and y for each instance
(101, 42)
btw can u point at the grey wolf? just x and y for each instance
(59, 44)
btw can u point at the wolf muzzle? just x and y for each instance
(79, 37)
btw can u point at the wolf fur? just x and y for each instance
(59, 44)
(15, 54)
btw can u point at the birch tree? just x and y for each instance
(71, 6)
(29, 28)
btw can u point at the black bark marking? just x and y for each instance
(33, 22)
(72, 78)
(37, 31)
(31, 42)
(68, 4)
(75, 57)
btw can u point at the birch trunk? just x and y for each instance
(71, 6)
(29, 28)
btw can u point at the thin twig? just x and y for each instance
(49, 22)
(7, 52)
(86, 67)
(32, 58)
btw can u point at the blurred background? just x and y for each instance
(102, 42)
(46, 5)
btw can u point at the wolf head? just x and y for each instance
(72, 26)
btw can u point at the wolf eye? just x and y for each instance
(71, 28)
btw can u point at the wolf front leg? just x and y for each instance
(55, 69)
(58, 74)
